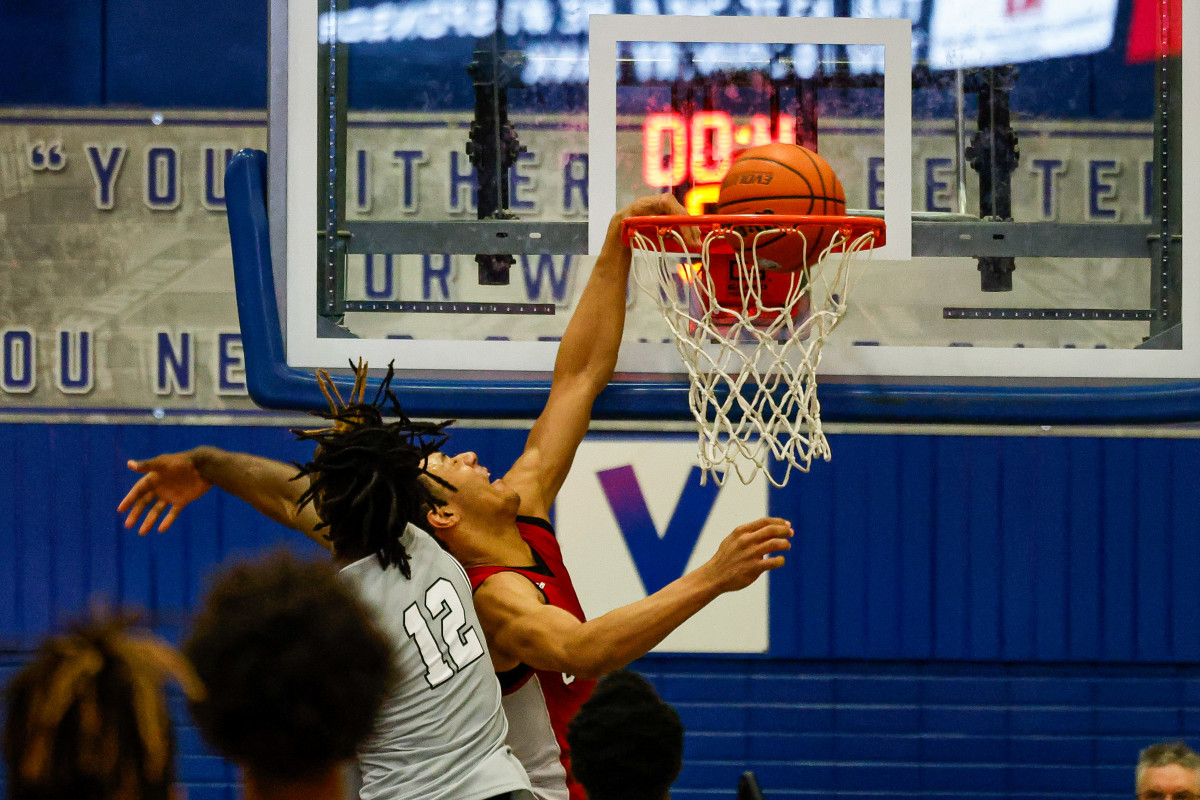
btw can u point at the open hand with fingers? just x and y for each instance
(749, 551)
(168, 483)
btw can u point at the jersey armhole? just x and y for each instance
(538, 522)
(541, 590)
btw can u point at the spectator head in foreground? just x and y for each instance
(296, 670)
(626, 742)
(1168, 771)
(88, 718)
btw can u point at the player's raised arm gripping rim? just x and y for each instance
(587, 356)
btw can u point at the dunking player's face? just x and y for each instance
(475, 491)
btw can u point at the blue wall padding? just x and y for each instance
(962, 616)
(910, 547)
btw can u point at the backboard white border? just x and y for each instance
(894, 35)
(305, 349)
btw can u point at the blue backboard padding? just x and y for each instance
(270, 382)
(273, 384)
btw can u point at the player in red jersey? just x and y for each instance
(545, 651)
(540, 702)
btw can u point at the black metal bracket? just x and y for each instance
(1110, 314)
(493, 146)
(994, 154)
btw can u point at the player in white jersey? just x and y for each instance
(441, 732)
(444, 710)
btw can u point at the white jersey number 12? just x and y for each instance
(460, 639)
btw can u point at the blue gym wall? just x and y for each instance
(962, 616)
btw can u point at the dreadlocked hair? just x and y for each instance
(88, 718)
(365, 477)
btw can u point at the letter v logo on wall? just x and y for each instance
(659, 558)
(632, 517)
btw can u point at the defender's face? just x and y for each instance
(1171, 782)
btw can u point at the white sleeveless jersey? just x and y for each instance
(440, 734)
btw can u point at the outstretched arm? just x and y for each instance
(173, 480)
(521, 628)
(587, 356)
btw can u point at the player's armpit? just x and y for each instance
(526, 479)
(521, 628)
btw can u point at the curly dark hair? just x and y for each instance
(367, 476)
(88, 719)
(626, 743)
(294, 664)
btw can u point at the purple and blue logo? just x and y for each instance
(633, 516)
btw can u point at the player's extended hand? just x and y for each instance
(661, 205)
(169, 482)
(749, 551)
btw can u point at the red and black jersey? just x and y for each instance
(539, 704)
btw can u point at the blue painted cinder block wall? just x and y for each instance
(962, 616)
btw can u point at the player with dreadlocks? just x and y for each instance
(87, 716)
(440, 733)
(545, 650)
(363, 479)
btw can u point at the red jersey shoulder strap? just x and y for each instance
(539, 535)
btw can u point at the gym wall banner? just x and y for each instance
(116, 284)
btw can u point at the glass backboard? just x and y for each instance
(445, 170)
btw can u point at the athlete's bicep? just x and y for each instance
(520, 626)
(538, 475)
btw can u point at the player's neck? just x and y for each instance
(499, 544)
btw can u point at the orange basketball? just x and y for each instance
(783, 179)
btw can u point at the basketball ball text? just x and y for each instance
(754, 178)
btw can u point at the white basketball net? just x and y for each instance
(753, 364)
